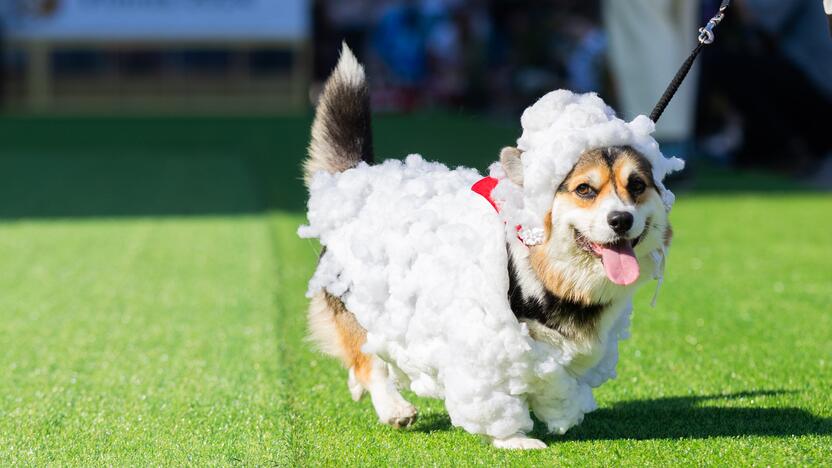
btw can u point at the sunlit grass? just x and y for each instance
(152, 312)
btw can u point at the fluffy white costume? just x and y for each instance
(421, 262)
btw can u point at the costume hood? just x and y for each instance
(557, 129)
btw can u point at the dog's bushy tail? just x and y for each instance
(341, 132)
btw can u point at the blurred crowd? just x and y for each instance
(760, 95)
(480, 54)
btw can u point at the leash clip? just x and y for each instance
(706, 34)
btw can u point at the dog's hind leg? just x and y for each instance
(390, 405)
(338, 333)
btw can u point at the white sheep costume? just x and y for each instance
(421, 262)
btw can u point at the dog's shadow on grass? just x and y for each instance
(432, 422)
(696, 417)
(688, 417)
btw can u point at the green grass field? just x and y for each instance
(152, 311)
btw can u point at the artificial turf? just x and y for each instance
(152, 311)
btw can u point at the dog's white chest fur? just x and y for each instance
(421, 262)
(583, 355)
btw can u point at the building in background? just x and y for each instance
(177, 54)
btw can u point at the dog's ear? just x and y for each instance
(512, 164)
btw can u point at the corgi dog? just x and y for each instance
(566, 293)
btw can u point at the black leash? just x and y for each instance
(706, 37)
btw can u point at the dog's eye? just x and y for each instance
(585, 191)
(636, 187)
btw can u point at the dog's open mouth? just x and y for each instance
(618, 258)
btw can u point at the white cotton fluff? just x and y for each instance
(421, 262)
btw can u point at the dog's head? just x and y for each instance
(606, 218)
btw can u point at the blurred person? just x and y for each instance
(580, 44)
(776, 83)
(499, 59)
(586, 60)
(400, 41)
(476, 29)
(648, 41)
(445, 49)
(531, 61)
(584, 64)
(827, 6)
(3, 65)
(5, 13)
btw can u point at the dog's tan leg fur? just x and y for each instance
(338, 333)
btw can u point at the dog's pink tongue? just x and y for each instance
(619, 262)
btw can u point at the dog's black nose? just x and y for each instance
(620, 221)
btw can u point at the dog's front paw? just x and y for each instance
(403, 415)
(519, 442)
